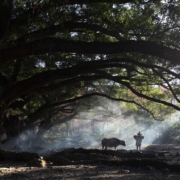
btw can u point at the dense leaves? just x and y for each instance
(57, 55)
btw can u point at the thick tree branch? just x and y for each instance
(66, 26)
(5, 17)
(37, 82)
(16, 71)
(59, 45)
(147, 97)
(102, 95)
(116, 79)
(167, 82)
(3, 81)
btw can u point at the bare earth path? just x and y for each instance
(19, 170)
(85, 172)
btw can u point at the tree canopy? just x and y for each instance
(53, 54)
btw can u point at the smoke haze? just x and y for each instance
(90, 128)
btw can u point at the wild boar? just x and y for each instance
(112, 142)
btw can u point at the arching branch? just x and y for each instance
(59, 45)
(66, 26)
(167, 82)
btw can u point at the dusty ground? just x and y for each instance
(18, 170)
(86, 172)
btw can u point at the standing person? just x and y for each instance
(138, 139)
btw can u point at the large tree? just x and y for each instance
(55, 53)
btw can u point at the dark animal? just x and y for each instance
(112, 142)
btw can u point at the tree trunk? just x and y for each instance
(12, 127)
(42, 128)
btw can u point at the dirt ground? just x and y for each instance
(10, 170)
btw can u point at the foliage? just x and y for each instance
(56, 55)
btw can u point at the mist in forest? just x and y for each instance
(86, 137)
(88, 130)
